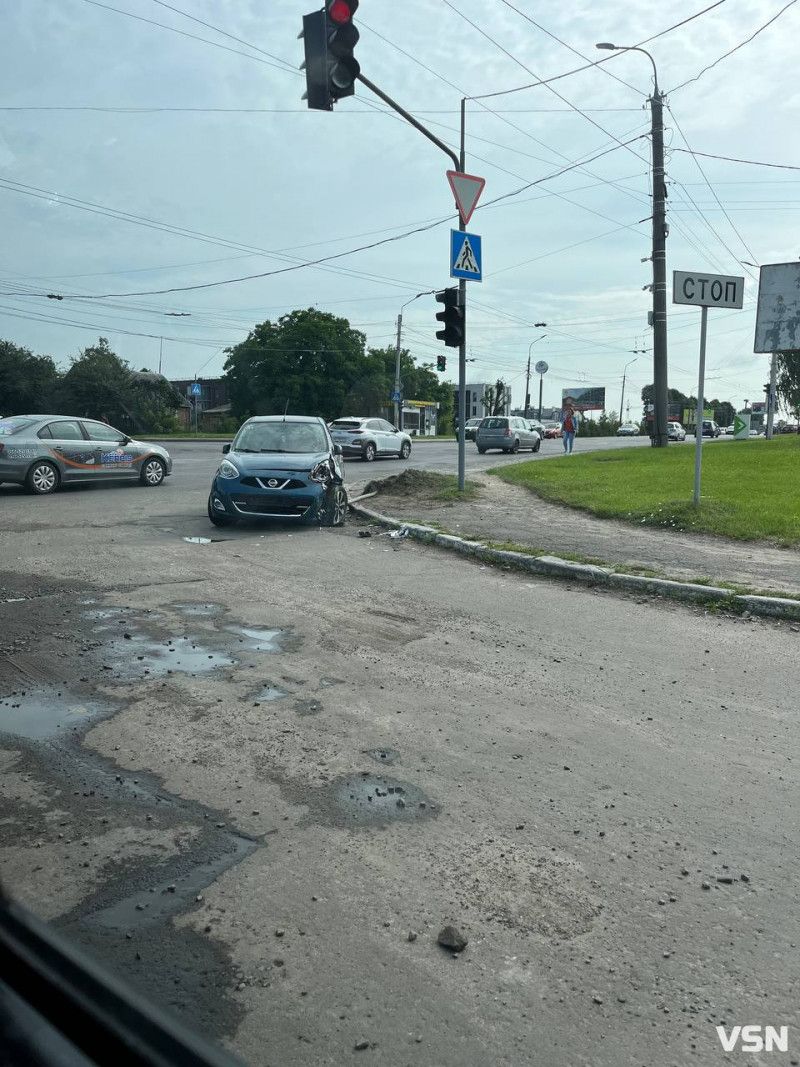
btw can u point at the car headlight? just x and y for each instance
(227, 470)
(321, 473)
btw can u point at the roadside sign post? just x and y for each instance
(741, 427)
(541, 369)
(704, 290)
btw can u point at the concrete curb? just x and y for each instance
(554, 567)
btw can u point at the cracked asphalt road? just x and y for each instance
(586, 762)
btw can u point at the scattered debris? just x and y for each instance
(452, 938)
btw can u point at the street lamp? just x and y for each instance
(622, 398)
(398, 406)
(659, 436)
(528, 375)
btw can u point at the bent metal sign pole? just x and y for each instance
(704, 291)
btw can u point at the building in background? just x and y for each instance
(213, 402)
(475, 408)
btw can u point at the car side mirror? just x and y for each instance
(338, 450)
(226, 449)
(126, 440)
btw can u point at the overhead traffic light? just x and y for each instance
(452, 318)
(329, 38)
(441, 362)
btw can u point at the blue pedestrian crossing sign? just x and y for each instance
(195, 389)
(396, 398)
(465, 256)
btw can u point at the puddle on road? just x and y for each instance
(382, 755)
(270, 692)
(154, 904)
(137, 656)
(256, 640)
(43, 713)
(203, 610)
(369, 798)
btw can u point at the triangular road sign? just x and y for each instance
(467, 189)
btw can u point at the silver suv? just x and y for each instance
(369, 438)
(675, 432)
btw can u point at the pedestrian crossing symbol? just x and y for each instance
(465, 256)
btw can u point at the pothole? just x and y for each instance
(137, 656)
(270, 692)
(308, 707)
(162, 900)
(203, 610)
(257, 640)
(43, 713)
(367, 798)
(382, 755)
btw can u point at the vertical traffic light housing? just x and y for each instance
(441, 363)
(452, 318)
(329, 40)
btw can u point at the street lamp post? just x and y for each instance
(622, 398)
(398, 404)
(658, 436)
(528, 375)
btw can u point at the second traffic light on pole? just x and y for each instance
(329, 38)
(452, 319)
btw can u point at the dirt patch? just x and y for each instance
(423, 487)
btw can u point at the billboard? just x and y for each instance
(778, 311)
(758, 407)
(583, 399)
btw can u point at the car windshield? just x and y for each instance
(13, 425)
(281, 437)
(494, 424)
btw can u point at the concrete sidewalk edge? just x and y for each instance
(554, 567)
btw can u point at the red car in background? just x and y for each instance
(551, 430)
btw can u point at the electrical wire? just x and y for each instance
(599, 62)
(736, 49)
(284, 66)
(45, 194)
(733, 159)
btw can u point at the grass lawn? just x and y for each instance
(749, 489)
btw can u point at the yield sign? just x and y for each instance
(467, 189)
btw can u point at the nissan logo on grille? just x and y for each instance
(272, 483)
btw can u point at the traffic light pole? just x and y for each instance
(459, 162)
(462, 348)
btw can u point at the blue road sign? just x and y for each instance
(465, 256)
(196, 390)
(396, 398)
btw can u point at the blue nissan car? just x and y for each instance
(280, 467)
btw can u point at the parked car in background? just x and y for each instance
(369, 438)
(729, 430)
(675, 432)
(280, 467)
(710, 428)
(551, 430)
(628, 429)
(44, 451)
(470, 428)
(790, 427)
(509, 433)
(538, 427)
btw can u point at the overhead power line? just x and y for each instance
(733, 159)
(736, 49)
(312, 263)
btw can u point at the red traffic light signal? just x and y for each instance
(342, 10)
(330, 66)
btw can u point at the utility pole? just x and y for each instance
(622, 398)
(160, 352)
(398, 407)
(659, 437)
(528, 386)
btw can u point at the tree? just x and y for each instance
(418, 382)
(98, 383)
(308, 362)
(494, 399)
(29, 382)
(789, 382)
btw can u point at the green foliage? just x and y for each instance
(723, 410)
(98, 383)
(789, 382)
(29, 382)
(309, 362)
(494, 399)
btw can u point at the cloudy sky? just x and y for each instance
(142, 150)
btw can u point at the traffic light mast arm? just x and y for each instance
(409, 118)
